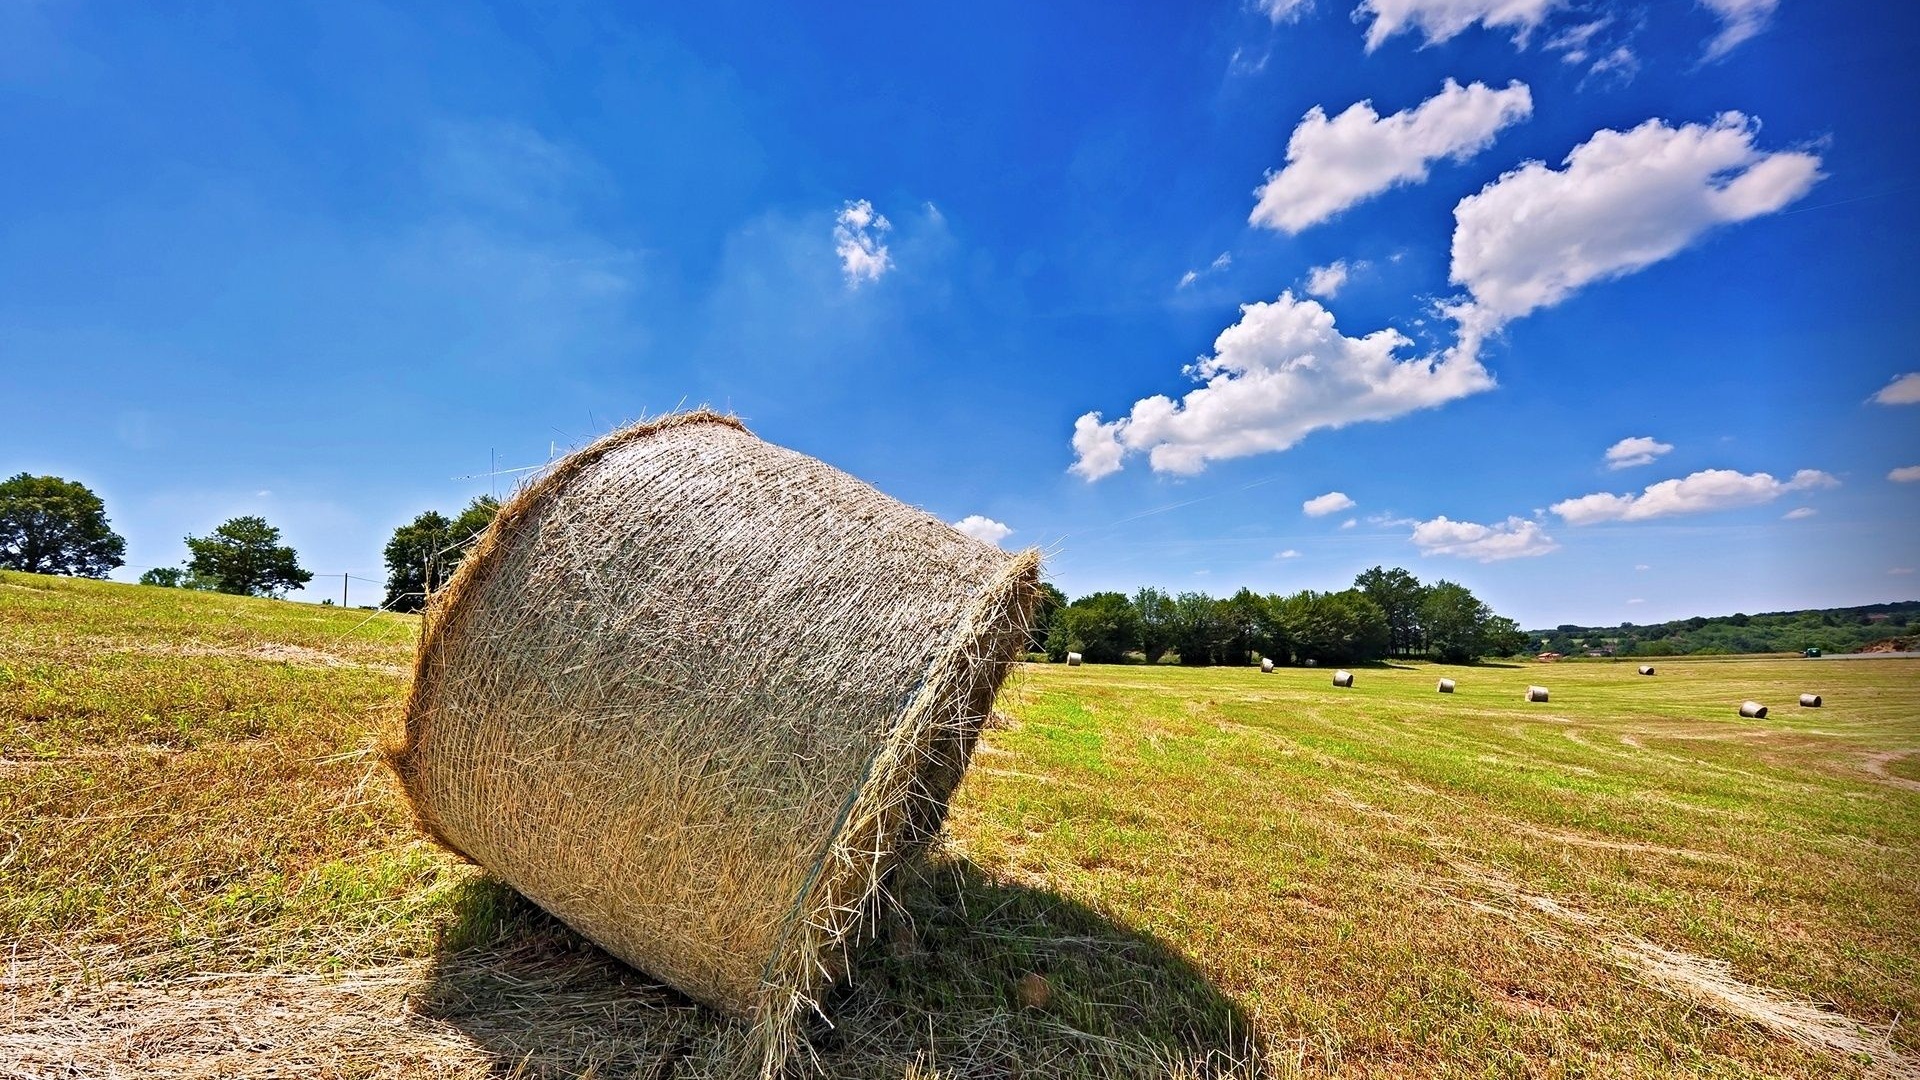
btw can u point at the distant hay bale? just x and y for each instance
(1646, 669)
(1445, 687)
(1266, 664)
(1073, 659)
(1536, 693)
(582, 726)
(1343, 678)
(1809, 701)
(1753, 710)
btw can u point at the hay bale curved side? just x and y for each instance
(580, 724)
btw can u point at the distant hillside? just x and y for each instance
(1829, 630)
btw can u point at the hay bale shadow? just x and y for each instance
(967, 976)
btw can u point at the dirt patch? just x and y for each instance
(374, 1022)
(1699, 979)
(1876, 767)
(297, 655)
(1577, 840)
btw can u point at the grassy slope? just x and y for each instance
(1383, 880)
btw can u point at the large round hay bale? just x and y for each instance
(1266, 665)
(1343, 678)
(1753, 710)
(1445, 686)
(1536, 693)
(1073, 659)
(1646, 669)
(582, 726)
(1809, 701)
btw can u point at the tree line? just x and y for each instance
(1387, 612)
(50, 525)
(1826, 629)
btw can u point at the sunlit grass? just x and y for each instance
(1210, 870)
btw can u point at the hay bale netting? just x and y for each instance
(1073, 659)
(583, 726)
(1646, 669)
(1343, 678)
(1809, 701)
(1445, 686)
(1266, 665)
(1753, 710)
(1536, 693)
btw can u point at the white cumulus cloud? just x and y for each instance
(1513, 538)
(983, 528)
(1798, 513)
(1739, 20)
(1905, 474)
(1903, 390)
(1439, 20)
(1331, 503)
(1279, 373)
(1349, 523)
(858, 230)
(1287, 554)
(1335, 163)
(1624, 200)
(1327, 281)
(1639, 450)
(1701, 492)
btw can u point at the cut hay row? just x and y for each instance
(580, 724)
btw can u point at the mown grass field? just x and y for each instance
(205, 870)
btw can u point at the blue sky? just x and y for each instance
(1435, 257)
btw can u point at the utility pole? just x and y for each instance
(343, 590)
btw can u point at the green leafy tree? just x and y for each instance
(1101, 627)
(1045, 610)
(1334, 628)
(54, 526)
(423, 554)
(1155, 609)
(1399, 595)
(1196, 627)
(1456, 623)
(244, 556)
(1505, 638)
(418, 560)
(473, 521)
(167, 577)
(1242, 618)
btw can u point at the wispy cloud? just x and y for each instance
(1902, 390)
(1740, 20)
(1334, 163)
(1701, 492)
(1220, 262)
(1441, 20)
(1638, 450)
(1331, 503)
(1514, 538)
(858, 232)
